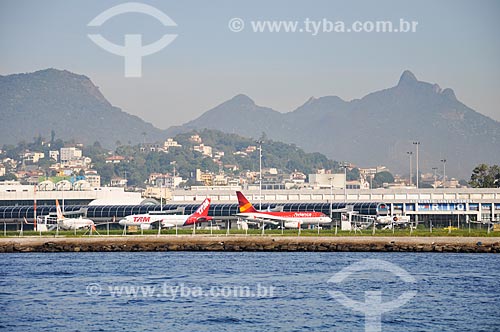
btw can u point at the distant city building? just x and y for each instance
(114, 160)
(93, 179)
(204, 149)
(33, 157)
(250, 149)
(231, 167)
(157, 193)
(452, 183)
(298, 177)
(326, 181)
(171, 143)
(153, 176)
(270, 171)
(164, 180)
(240, 153)
(2, 170)
(9, 163)
(205, 177)
(54, 154)
(118, 182)
(371, 171)
(218, 155)
(151, 147)
(355, 184)
(220, 180)
(69, 154)
(195, 139)
(251, 176)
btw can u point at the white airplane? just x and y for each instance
(390, 221)
(72, 223)
(146, 221)
(289, 219)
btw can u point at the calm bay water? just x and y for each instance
(192, 291)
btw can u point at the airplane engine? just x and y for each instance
(146, 226)
(291, 224)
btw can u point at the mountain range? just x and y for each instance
(36, 103)
(377, 129)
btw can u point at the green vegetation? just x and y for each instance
(139, 164)
(382, 177)
(140, 161)
(484, 176)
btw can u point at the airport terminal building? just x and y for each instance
(439, 206)
(419, 204)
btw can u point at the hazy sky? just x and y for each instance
(456, 45)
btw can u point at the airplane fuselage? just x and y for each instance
(145, 221)
(289, 219)
(75, 223)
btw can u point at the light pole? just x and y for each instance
(435, 176)
(260, 174)
(444, 172)
(345, 165)
(417, 144)
(331, 203)
(260, 180)
(410, 154)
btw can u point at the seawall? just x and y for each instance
(250, 243)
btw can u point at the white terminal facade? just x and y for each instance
(420, 204)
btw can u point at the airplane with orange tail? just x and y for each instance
(72, 223)
(288, 219)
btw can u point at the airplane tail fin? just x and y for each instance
(60, 215)
(201, 213)
(245, 205)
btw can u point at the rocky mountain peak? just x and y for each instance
(407, 78)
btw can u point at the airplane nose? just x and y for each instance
(122, 222)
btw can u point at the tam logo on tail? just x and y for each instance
(202, 210)
(245, 205)
(201, 213)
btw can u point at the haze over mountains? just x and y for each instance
(376, 129)
(35, 103)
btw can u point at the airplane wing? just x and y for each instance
(203, 219)
(261, 218)
(105, 223)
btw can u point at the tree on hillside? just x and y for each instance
(380, 178)
(353, 174)
(484, 176)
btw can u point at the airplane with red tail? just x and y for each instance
(146, 221)
(288, 219)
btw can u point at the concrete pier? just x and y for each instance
(250, 243)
